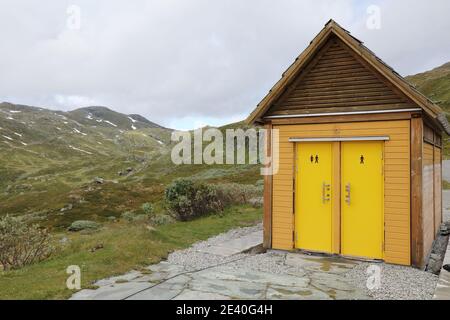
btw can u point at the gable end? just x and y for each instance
(337, 81)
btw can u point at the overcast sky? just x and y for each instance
(186, 63)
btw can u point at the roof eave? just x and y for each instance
(442, 119)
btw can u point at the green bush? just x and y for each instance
(141, 217)
(237, 194)
(22, 244)
(161, 219)
(128, 216)
(188, 200)
(83, 225)
(147, 208)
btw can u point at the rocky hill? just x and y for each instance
(89, 163)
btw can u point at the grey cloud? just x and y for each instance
(196, 58)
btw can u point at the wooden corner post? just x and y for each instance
(417, 249)
(267, 219)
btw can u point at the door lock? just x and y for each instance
(326, 192)
(348, 193)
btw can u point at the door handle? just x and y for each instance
(348, 193)
(326, 191)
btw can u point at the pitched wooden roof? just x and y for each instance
(334, 29)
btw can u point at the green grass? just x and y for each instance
(126, 246)
(445, 184)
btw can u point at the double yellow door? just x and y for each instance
(339, 198)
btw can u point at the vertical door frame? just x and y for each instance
(336, 198)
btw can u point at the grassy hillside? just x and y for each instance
(435, 84)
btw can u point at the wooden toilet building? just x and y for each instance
(360, 154)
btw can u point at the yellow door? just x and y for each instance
(362, 231)
(313, 197)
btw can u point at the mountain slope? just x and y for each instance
(96, 128)
(47, 155)
(104, 117)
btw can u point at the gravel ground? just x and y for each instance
(397, 282)
(193, 259)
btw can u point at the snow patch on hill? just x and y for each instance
(109, 122)
(78, 149)
(78, 131)
(9, 138)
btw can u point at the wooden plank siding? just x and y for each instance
(336, 80)
(428, 198)
(396, 175)
(437, 190)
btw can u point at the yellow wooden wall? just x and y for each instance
(397, 181)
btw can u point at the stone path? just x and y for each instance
(235, 246)
(308, 278)
(218, 269)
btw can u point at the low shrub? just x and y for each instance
(141, 217)
(256, 202)
(187, 199)
(147, 208)
(22, 244)
(237, 194)
(161, 219)
(83, 225)
(128, 216)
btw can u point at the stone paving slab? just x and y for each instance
(117, 291)
(235, 246)
(311, 278)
